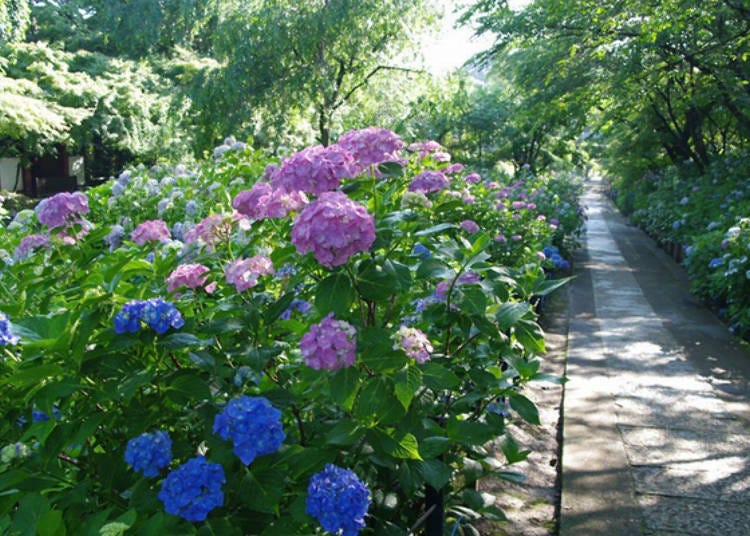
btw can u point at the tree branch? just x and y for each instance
(366, 79)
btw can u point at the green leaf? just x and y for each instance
(508, 314)
(434, 446)
(115, 528)
(525, 408)
(31, 510)
(51, 524)
(470, 433)
(480, 243)
(34, 374)
(438, 378)
(473, 300)
(261, 491)
(391, 169)
(176, 341)
(510, 448)
(335, 294)
(406, 384)
(397, 444)
(545, 286)
(439, 228)
(187, 387)
(345, 433)
(376, 402)
(432, 267)
(374, 282)
(530, 335)
(436, 473)
(277, 308)
(344, 385)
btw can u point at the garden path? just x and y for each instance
(656, 418)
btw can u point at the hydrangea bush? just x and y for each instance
(263, 347)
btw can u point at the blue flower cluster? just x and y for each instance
(254, 426)
(338, 500)
(297, 305)
(716, 262)
(421, 251)
(6, 336)
(159, 314)
(193, 489)
(553, 255)
(149, 453)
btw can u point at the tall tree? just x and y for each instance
(14, 20)
(310, 56)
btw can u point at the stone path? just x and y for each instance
(656, 412)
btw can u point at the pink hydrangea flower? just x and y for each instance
(264, 201)
(414, 343)
(472, 178)
(151, 231)
(211, 229)
(372, 145)
(441, 157)
(244, 273)
(429, 181)
(333, 228)
(61, 209)
(516, 237)
(531, 206)
(315, 170)
(187, 275)
(329, 345)
(425, 147)
(518, 205)
(470, 226)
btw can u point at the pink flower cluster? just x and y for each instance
(244, 273)
(372, 145)
(453, 168)
(429, 181)
(425, 147)
(264, 201)
(151, 231)
(190, 276)
(61, 209)
(333, 228)
(210, 230)
(329, 345)
(414, 343)
(315, 170)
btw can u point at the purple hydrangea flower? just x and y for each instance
(6, 335)
(151, 231)
(472, 178)
(414, 343)
(500, 239)
(193, 489)
(297, 305)
(333, 228)
(338, 500)
(62, 209)
(149, 453)
(265, 201)
(315, 170)
(518, 205)
(453, 168)
(187, 275)
(114, 238)
(28, 244)
(210, 230)
(429, 181)
(372, 145)
(254, 426)
(244, 273)
(470, 226)
(329, 345)
(425, 147)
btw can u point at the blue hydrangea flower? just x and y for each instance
(6, 335)
(297, 305)
(38, 416)
(338, 500)
(254, 426)
(149, 453)
(419, 250)
(716, 262)
(193, 489)
(159, 314)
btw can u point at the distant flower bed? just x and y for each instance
(707, 217)
(253, 346)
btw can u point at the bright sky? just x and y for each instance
(452, 47)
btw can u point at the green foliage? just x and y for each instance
(14, 20)
(400, 423)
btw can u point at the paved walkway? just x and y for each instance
(656, 417)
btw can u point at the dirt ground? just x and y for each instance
(532, 507)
